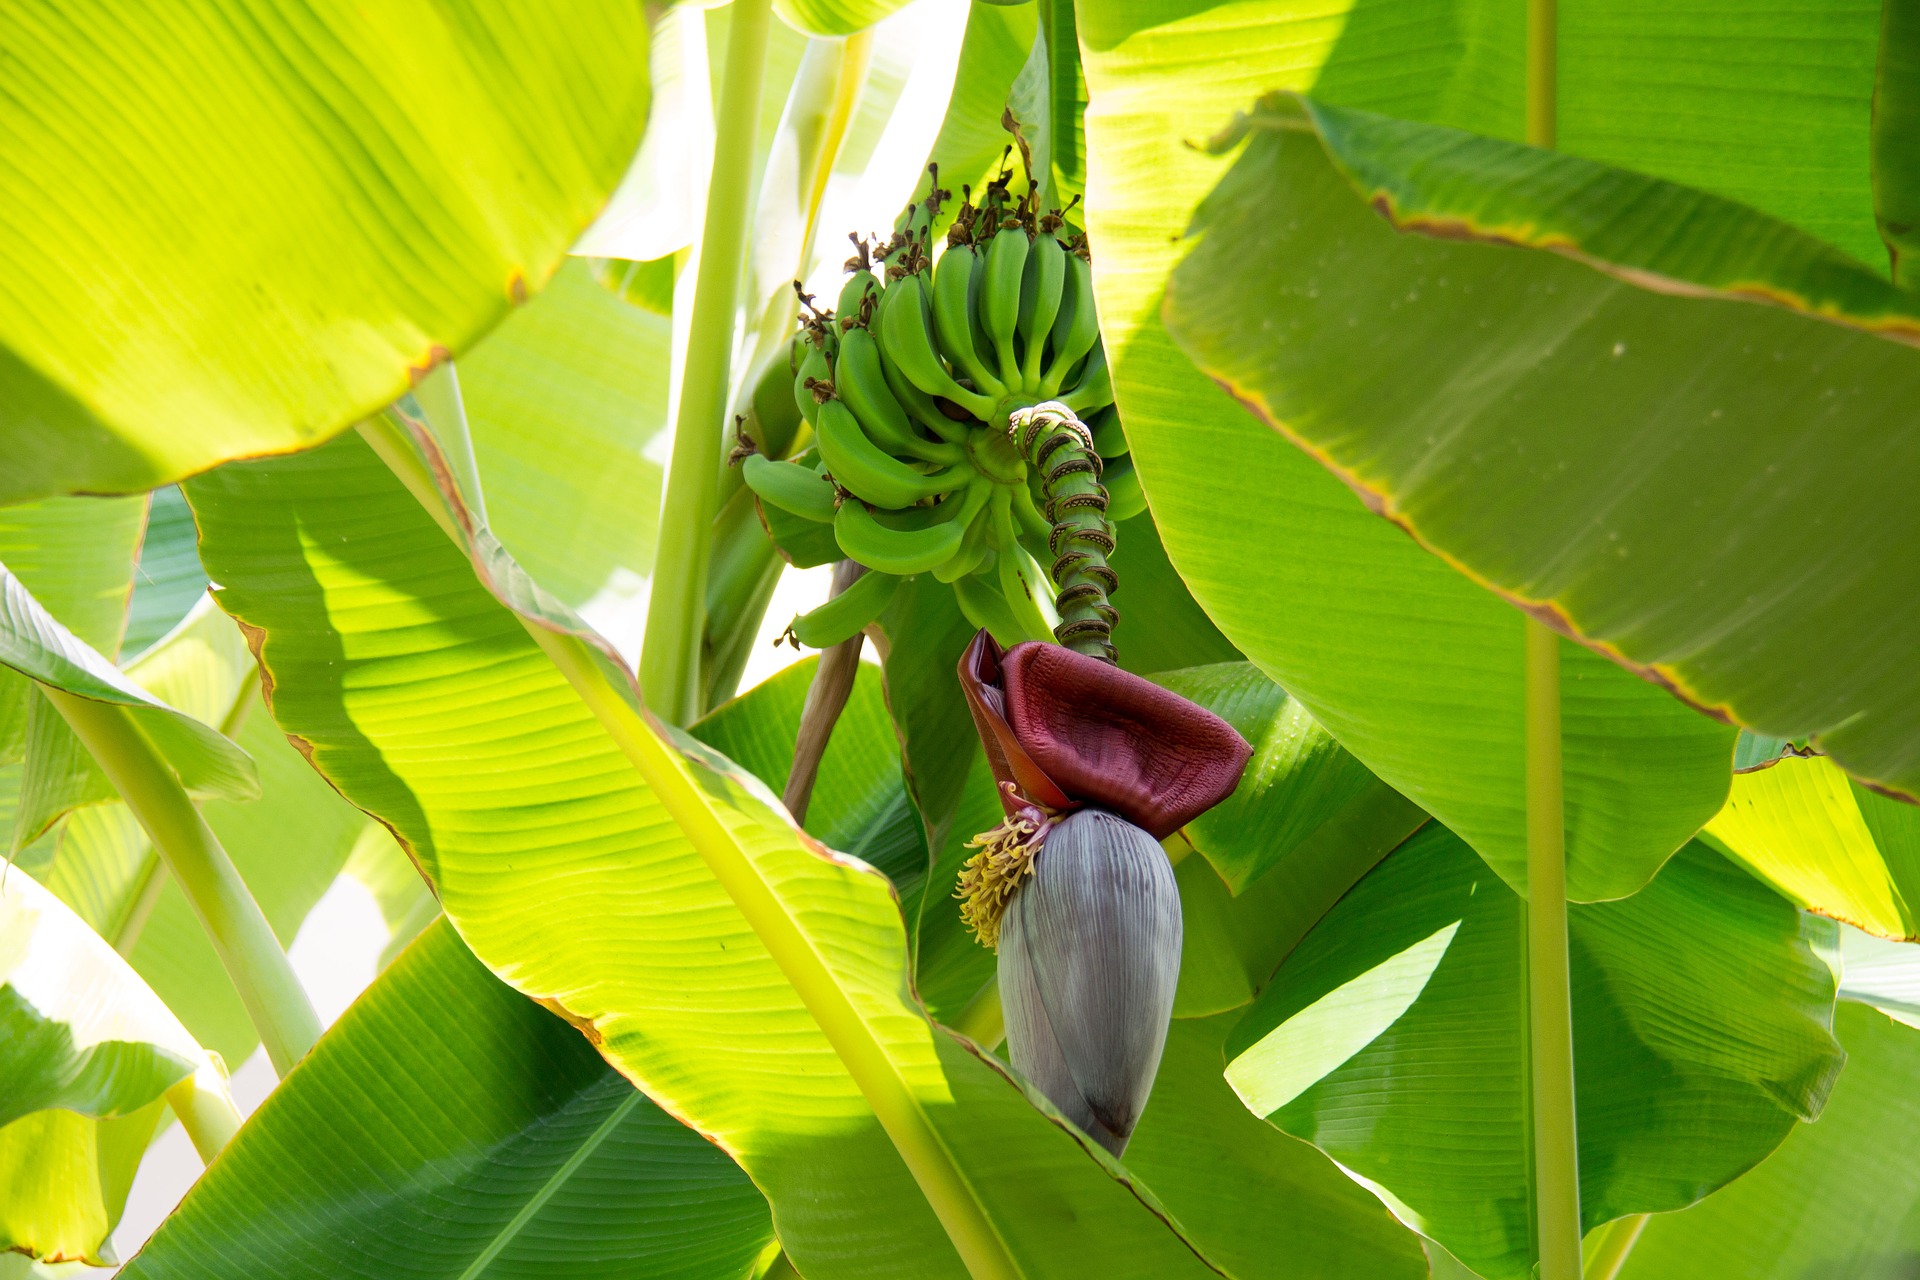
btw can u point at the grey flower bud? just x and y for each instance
(1089, 958)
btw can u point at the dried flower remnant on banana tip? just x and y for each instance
(1095, 767)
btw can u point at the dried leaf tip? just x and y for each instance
(991, 877)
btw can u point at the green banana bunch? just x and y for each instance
(913, 386)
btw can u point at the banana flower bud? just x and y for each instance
(1095, 767)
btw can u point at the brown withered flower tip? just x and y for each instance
(1069, 732)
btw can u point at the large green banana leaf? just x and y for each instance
(79, 1030)
(703, 966)
(1267, 1204)
(86, 1050)
(446, 1126)
(1301, 788)
(238, 229)
(1594, 423)
(64, 1179)
(1827, 842)
(1413, 669)
(1394, 1038)
(860, 804)
(1837, 1199)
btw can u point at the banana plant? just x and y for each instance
(417, 413)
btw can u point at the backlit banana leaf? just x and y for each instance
(35, 644)
(75, 556)
(1394, 1038)
(971, 142)
(79, 1030)
(64, 1179)
(1828, 843)
(173, 300)
(1880, 973)
(833, 17)
(860, 804)
(1837, 1199)
(575, 881)
(168, 579)
(85, 1051)
(200, 671)
(1415, 670)
(563, 399)
(446, 1126)
(1595, 423)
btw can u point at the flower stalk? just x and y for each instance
(1059, 447)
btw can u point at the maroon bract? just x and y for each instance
(1069, 731)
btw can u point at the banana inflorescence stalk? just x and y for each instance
(963, 422)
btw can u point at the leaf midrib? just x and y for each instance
(538, 1200)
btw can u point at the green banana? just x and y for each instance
(1016, 573)
(1108, 439)
(1095, 387)
(973, 545)
(862, 384)
(861, 468)
(776, 414)
(1125, 498)
(1076, 328)
(1033, 526)
(848, 613)
(908, 344)
(895, 551)
(789, 486)
(1000, 297)
(953, 317)
(986, 609)
(815, 367)
(1040, 290)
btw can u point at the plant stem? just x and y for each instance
(1556, 1157)
(1610, 1246)
(252, 956)
(676, 611)
(203, 1104)
(1058, 445)
(826, 699)
(1556, 1149)
(1543, 73)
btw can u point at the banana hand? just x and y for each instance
(908, 345)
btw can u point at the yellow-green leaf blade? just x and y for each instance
(243, 227)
